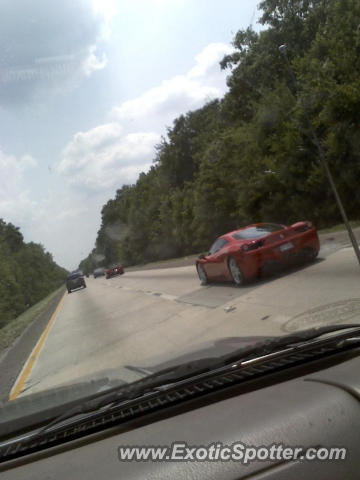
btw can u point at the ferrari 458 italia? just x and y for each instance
(249, 251)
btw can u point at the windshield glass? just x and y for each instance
(74, 275)
(256, 232)
(217, 245)
(135, 133)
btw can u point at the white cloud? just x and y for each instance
(93, 63)
(102, 159)
(166, 98)
(11, 166)
(105, 157)
(179, 94)
(113, 154)
(106, 8)
(65, 220)
(50, 218)
(160, 3)
(27, 161)
(15, 202)
(54, 46)
(207, 61)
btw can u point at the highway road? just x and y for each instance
(143, 314)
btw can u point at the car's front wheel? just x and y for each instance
(202, 274)
(236, 272)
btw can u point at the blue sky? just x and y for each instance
(87, 88)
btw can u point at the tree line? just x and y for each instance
(27, 273)
(249, 157)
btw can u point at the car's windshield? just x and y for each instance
(256, 232)
(74, 275)
(217, 245)
(134, 135)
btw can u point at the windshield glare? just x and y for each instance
(133, 135)
(256, 232)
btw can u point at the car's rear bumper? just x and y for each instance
(251, 262)
(72, 286)
(113, 274)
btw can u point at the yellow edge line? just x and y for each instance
(24, 374)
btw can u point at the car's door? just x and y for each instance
(215, 259)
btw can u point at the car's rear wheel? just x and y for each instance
(308, 254)
(202, 274)
(236, 272)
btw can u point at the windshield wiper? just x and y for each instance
(164, 379)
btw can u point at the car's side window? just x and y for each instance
(217, 245)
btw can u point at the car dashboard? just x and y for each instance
(316, 409)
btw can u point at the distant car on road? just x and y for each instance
(99, 272)
(252, 250)
(75, 280)
(114, 270)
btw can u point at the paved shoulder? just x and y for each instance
(14, 359)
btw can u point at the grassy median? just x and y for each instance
(340, 227)
(14, 329)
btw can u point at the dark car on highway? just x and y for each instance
(114, 270)
(99, 272)
(75, 280)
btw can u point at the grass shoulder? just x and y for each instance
(15, 328)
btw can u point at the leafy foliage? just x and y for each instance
(250, 156)
(27, 273)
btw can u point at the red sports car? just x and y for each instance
(249, 251)
(114, 270)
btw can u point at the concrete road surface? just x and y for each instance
(131, 318)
